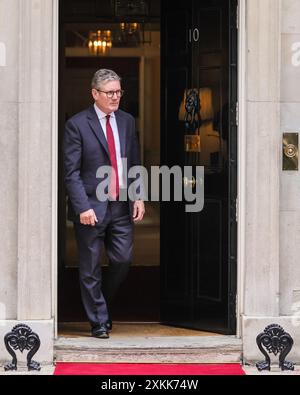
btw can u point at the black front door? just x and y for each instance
(198, 250)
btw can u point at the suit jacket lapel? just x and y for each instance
(121, 123)
(97, 128)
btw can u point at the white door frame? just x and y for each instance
(241, 176)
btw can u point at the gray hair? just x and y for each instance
(102, 76)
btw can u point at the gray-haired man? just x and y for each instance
(101, 136)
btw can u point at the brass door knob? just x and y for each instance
(189, 183)
(290, 150)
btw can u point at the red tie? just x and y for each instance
(114, 180)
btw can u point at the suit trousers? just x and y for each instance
(115, 233)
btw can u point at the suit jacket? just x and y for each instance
(85, 150)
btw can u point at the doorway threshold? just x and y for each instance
(145, 343)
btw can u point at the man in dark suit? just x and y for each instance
(101, 136)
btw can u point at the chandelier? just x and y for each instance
(100, 42)
(129, 33)
(129, 28)
(123, 34)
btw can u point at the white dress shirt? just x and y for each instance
(113, 123)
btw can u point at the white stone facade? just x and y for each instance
(269, 199)
(26, 167)
(271, 279)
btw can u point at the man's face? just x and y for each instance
(103, 102)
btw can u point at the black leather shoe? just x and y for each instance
(109, 326)
(100, 331)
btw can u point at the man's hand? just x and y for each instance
(88, 218)
(138, 210)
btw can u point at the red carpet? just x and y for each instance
(115, 369)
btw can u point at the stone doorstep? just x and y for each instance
(205, 349)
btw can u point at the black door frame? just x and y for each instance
(233, 166)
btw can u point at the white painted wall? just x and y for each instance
(270, 283)
(9, 124)
(26, 129)
(290, 181)
(272, 272)
(262, 163)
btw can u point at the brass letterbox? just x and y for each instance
(192, 143)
